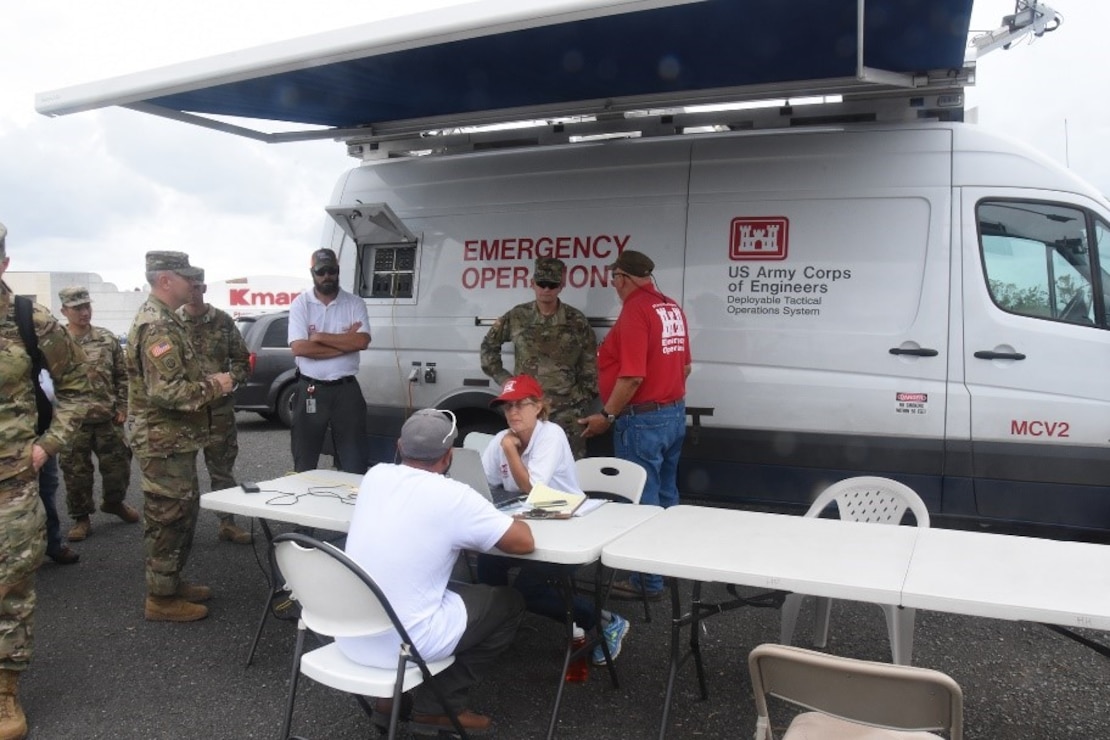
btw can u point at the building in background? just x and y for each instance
(114, 309)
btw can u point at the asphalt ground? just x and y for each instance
(101, 671)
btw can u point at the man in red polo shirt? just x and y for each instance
(642, 368)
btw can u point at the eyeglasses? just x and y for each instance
(454, 425)
(620, 274)
(321, 271)
(517, 405)
(547, 284)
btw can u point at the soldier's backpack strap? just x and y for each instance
(24, 320)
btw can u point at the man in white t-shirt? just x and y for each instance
(409, 525)
(328, 328)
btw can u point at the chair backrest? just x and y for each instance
(477, 441)
(611, 475)
(337, 597)
(876, 694)
(872, 499)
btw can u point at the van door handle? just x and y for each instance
(918, 352)
(986, 354)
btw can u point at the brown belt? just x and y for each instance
(647, 408)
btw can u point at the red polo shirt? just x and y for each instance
(649, 341)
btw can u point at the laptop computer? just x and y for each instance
(466, 467)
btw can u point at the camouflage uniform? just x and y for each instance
(22, 518)
(220, 348)
(99, 431)
(560, 351)
(168, 399)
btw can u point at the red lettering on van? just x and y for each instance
(245, 297)
(912, 397)
(764, 238)
(1037, 428)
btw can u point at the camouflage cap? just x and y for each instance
(3, 232)
(549, 269)
(74, 295)
(636, 264)
(200, 275)
(428, 434)
(324, 257)
(3, 238)
(173, 261)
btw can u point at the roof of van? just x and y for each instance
(503, 59)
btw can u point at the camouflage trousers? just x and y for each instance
(114, 458)
(222, 449)
(23, 522)
(171, 502)
(568, 418)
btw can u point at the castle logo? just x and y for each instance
(758, 238)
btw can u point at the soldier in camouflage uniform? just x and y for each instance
(22, 455)
(101, 430)
(555, 344)
(220, 348)
(168, 399)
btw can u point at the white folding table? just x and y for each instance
(822, 557)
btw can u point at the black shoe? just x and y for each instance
(63, 556)
(383, 708)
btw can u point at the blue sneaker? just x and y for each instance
(613, 633)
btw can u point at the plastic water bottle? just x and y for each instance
(579, 668)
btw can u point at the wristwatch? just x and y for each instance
(611, 418)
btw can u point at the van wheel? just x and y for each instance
(285, 404)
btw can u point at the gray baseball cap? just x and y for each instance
(428, 434)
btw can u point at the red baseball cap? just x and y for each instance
(518, 388)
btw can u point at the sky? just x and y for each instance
(93, 191)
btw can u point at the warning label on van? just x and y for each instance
(911, 403)
(762, 238)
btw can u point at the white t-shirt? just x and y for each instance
(406, 532)
(547, 457)
(307, 315)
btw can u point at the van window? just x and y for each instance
(1038, 260)
(387, 271)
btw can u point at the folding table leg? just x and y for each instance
(271, 584)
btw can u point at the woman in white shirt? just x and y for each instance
(534, 450)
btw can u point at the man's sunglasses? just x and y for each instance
(321, 271)
(547, 284)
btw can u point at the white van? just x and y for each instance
(923, 301)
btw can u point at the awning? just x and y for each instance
(501, 60)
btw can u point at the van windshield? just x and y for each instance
(1039, 261)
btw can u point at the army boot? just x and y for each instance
(229, 532)
(81, 528)
(173, 609)
(13, 723)
(193, 592)
(122, 510)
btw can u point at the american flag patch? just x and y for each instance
(160, 349)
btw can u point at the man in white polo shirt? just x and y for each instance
(328, 327)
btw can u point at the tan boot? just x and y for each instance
(229, 532)
(193, 592)
(13, 723)
(81, 528)
(173, 609)
(122, 510)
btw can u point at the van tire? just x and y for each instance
(284, 407)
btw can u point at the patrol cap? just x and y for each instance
(74, 295)
(3, 234)
(518, 388)
(428, 434)
(200, 277)
(549, 270)
(173, 261)
(636, 264)
(324, 257)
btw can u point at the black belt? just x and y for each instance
(340, 381)
(647, 408)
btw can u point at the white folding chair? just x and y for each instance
(853, 699)
(613, 478)
(339, 599)
(863, 499)
(478, 441)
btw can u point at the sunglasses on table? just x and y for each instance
(547, 284)
(322, 271)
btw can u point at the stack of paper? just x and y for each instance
(557, 504)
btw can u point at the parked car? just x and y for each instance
(271, 389)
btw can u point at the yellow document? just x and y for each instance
(556, 504)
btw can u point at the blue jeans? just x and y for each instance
(534, 582)
(654, 440)
(48, 486)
